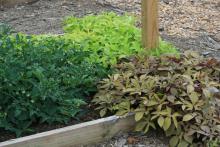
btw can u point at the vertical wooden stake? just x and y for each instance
(150, 32)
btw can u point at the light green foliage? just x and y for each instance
(169, 93)
(110, 37)
(164, 48)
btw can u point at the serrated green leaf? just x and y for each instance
(140, 126)
(171, 98)
(188, 138)
(147, 128)
(175, 121)
(183, 144)
(152, 103)
(207, 93)
(174, 141)
(194, 97)
(139, 116)
(188, 117)
(103, 112)
(173, 91)
(167, 123)
(121, 112)
(190, 89)
(160, 121)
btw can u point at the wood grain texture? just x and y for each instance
(150, 33)
(81, 134)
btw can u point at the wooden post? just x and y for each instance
(150, 32)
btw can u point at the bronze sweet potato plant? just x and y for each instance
(174, 94)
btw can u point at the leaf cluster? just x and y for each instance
(171, 93)
(213, 143)
(109, 37)
(42, 80)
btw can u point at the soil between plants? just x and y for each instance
(151, 139)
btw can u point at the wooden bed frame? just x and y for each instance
(77, 135)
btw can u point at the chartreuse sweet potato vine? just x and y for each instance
(109, 37)
(174, 94)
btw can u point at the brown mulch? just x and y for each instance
(184, 18)
(151, 139)
(189, 24)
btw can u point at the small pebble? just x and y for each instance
(205, 53)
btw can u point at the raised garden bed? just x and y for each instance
(165, 92)
(82, 134)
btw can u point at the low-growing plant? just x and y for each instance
(109, 37)
(5, 29)
(169, 93)
(164, 48)
(42, 80)
(213, 143)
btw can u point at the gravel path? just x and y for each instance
(152, 139)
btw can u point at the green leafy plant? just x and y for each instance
(169, 93)
(109, 37)
(213, 143)
(5, 29)
(42, 80)
(164, 48)
(46, 78)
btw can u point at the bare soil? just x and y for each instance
(46, 16)
(151, 139)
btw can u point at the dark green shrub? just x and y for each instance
(170, 93)
(42, 80)
(5, 29)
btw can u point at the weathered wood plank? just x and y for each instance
(81, 134)
(150, 33)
